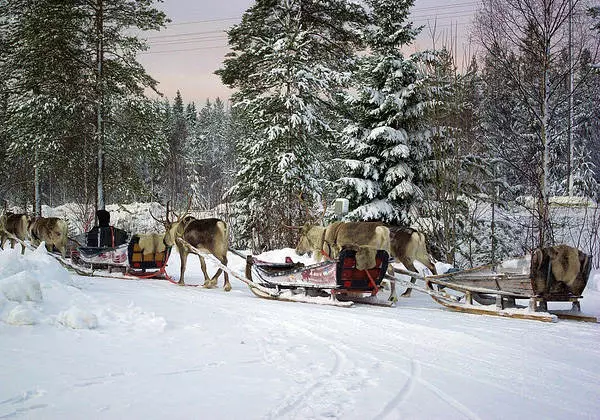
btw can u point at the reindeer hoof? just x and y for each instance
(393, 299)
(180, 283)
(227, 288)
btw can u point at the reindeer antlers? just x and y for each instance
(161, 221)
(179, 217)
(309, 213)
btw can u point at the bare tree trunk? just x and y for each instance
(38, 198)
(544, 213)
(100, 104)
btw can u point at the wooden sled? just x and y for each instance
(496, 289)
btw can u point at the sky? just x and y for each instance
(185, 55)
(75, 347)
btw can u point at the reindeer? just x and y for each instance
(404, 244)
(205, 234)
(12, 224)
(364, 237)
(559, 268)
(51, 230)
(407, 246)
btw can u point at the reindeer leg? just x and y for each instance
(393, 297)
(408, 291)
(183, 257)
(226, 285)
(215, 279)
(207, 280)
(413, 280)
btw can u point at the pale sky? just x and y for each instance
(185, 55)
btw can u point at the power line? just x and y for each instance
(226, 46)
(420, 9)
(187, 36)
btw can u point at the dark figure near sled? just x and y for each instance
(104, 235)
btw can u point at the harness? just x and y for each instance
(323, 243)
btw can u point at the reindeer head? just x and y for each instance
(311, 239)
(311, 233)
(174, 228)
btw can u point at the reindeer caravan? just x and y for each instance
(370, 252)
(353, 261)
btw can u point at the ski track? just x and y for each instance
(414, 378)
(22, 399)
(293, 402)
(404, 393)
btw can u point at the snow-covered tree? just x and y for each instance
(214, 149)
(289, 59)
(387, 137)
(527, 39)
(70, 68)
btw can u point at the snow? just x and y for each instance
(105, 348)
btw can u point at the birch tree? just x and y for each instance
(535, 32)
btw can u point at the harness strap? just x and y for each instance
(372, 284)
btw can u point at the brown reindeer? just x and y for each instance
(51, 230)
(16, 225)
(559, 268)
(364, 237)
(407, 246)
(209, 235)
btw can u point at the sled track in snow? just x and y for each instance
(298, 400)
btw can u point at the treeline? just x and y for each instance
(471, 154)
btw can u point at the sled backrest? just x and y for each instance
(351, 278)
(143, 259)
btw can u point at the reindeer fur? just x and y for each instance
(14, 224)
(569, 268)
(51, 230)
(151, 243)
(204, 234)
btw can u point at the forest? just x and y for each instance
(490, 155)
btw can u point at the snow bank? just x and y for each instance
(36, 289)
(30, 287)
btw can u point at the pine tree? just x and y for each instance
(387, 138)
(70, 69)
(288, 63)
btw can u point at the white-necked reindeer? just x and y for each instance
(209, 235)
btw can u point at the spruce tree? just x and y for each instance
(387, 139)
(289, 59)
(70, 69)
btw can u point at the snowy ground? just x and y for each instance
(74, 347)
